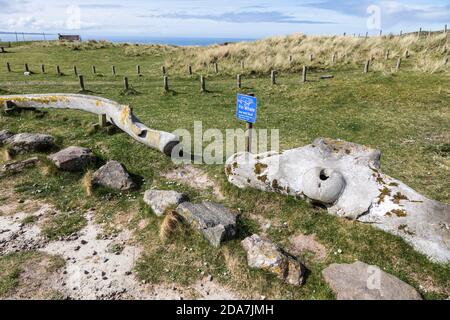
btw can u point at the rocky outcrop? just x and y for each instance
(18, 166)
(264, 254)
(359, 281)
(346, 178)
(5, 135)
(115, 176)
(161, 200)
(29, 142)
(214, 221)
(73, 158)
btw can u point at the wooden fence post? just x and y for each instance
(190, 70)
(216, 67)
(75, 71)
(94, 71)
(203, 83)
(113, 70)
(311, 57)
(81, 78)
(166, 83)
(138, 70)
(43, 68)
(249, 132)
(273, 77)
(8, 67)
(58, 70)
(27, 69)
(333, 58)
(126, 84)
(399, 63)
(388, 52)
(239, 81)
(304, 73)
(163, 69)
(366, 66)
(102, 120)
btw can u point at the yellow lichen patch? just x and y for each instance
(98, 103)
(262, 178)
(153, 138)
(383, 194)
(259, 167)
(398, 197)
(41, 100)
(398, 212)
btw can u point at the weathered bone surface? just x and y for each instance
(346, 179)
(117, 114)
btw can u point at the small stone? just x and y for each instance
(73, 158)
(86, 272)
(115, 176)
(160, 200)
(30, 142)
(216, 222)
(263, 254)
(359, 281)
(83, 242)
(77, 248)
(127, 273)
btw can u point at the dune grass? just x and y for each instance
(405, 114)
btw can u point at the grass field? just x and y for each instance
(405, 114)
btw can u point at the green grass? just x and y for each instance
(404, 114)
(63, 224)
(12, 266)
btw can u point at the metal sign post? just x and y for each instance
(246, 111)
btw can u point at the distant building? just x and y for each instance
(69, 37)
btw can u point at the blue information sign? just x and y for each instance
(246, 108)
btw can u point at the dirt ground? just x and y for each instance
(93, 268)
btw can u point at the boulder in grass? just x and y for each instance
(360, 281)
(264, 254)
(73, 158)
(216, 222)
(115, 176)
(161, 200)
(5, 135)
(29, 142)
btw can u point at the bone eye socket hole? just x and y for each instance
(323, 175)
(143, 134)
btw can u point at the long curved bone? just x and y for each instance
(346, 179)
(120, 115)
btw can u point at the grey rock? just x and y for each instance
(264, 254)
(360, 281)
(161, 200)
(115, 176)
(216, 222)
(18, 166)
(5, 135)
(73, 158)
(29, 142)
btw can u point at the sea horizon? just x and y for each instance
(177, 41)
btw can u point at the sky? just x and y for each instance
(247, 19)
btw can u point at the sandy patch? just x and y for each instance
(194, 178)
(301, 244)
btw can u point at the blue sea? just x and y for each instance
(178, 41)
